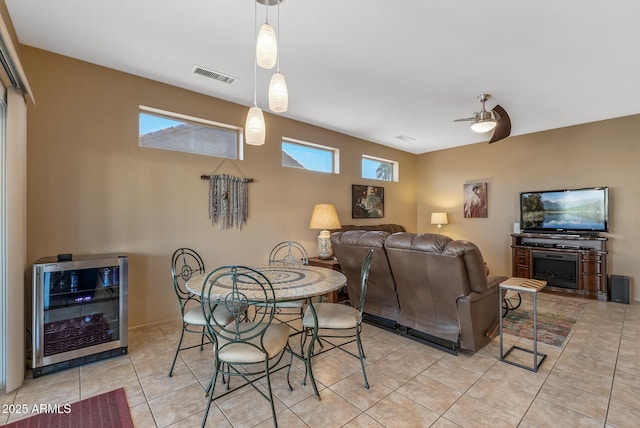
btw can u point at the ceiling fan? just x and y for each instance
(496, 120)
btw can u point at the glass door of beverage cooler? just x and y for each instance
(79, 308)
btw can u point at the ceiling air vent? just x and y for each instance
(224, 78)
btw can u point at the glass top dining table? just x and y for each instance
(288, 282)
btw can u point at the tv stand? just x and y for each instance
(570, 263)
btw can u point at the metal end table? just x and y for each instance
(523, 285)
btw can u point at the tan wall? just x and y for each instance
(597, 154)
(92, 189)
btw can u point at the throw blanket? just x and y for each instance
(228, 201)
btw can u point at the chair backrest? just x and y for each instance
(238, 289)
(185, 263)
(288, 253)
(364, 280)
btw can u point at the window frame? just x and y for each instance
(335, 154)
(395, 168)
(195, 121)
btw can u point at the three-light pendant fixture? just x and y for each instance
(266, 56)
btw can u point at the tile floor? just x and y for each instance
(594, 380)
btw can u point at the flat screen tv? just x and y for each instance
(565, 211)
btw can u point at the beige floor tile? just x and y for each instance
(155, 386)
(391, 372)
(249, 408)
(622, 416)
(331, 370)
(430, 393)
(547, 414)
(141, 415)
(352, 390)
(331, 411)
(628, 376)
(597, 385)
(300, 392)
(516, 377)
(177, 405)
(459, 379)
(626, 394)
(501, 396)
(215, 419)
(286, 418)
(363, 421)
(469, 412)
(396, 410)
(157, 365)
(567, 395)
(443, 422)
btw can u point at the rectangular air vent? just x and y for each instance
(215, 75)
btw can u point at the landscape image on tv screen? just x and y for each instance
(565, 210)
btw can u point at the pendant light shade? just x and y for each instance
(254, 128)
(278, 94)
(266, 47)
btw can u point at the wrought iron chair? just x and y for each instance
(337, 320)
(243, 348)
(186, 262)
(510, 302)
(289, 254)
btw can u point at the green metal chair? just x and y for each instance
(337, 320)
(185, 263)
(289, 254)
(242, 348)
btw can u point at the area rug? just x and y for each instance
(108, 410)
(556, 318)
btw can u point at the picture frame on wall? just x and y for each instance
(367, 201)
(475, 200)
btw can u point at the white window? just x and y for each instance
(379, 169)
(172, 131)
(310, 156)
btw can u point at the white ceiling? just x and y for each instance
(372, 69)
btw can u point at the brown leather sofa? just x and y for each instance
(426, 286)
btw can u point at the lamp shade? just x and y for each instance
(324, 216)
(266, 47)
(254, 128)
(278, 94)
(439, 218)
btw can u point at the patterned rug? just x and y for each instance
(556, 318)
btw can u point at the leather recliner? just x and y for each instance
(441, 287)
(350, 248)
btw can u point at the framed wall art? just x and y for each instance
(367, 201)
(475, 200)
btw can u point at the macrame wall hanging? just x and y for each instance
(228, 199)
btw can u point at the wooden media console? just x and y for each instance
(575, 264)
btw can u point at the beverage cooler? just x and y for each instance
(79, 310)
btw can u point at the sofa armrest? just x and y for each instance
(495, 280)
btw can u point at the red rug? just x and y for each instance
(108, 410)
(556, 318)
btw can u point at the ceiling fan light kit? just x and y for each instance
(496, 120)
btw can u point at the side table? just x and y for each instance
(523, 285)
(332, 264)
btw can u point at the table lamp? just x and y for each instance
(439, 219)
(324, 217)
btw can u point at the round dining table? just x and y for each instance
(289, 282)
